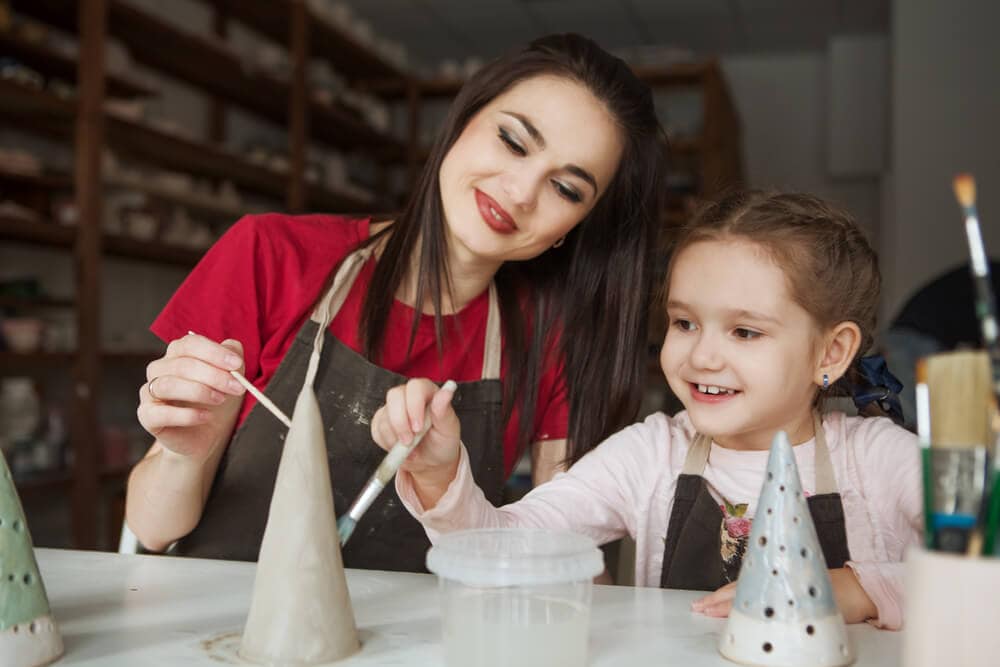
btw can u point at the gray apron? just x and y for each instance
(349, 389)
(692, 550)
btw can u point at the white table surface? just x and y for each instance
(123, 610)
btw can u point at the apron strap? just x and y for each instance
(697, 455)
(826, 482)
(330, 303)
(493, 345)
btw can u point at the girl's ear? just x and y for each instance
(840, 345)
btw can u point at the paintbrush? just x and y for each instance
(986, 311)
(986, 308)
(383, 475)
(957, 464)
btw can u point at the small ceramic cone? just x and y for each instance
(301, 611)
(784, 613)
(28, 635)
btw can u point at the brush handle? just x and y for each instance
(986, 309)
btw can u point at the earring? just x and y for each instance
(826, 381)
(559, 242)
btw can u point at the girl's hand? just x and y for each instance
(190, 401)
(852, 600)
(434, 462)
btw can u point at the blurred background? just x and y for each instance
(134, 132)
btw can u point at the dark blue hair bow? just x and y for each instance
(877, 385)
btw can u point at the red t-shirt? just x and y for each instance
(258, 285)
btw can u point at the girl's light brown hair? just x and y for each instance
(831, 269)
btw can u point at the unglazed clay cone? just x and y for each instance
(301, 611)
(784, 613)
(28, 634)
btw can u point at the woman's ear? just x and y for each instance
(840, 345)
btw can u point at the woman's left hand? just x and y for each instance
(852, 600)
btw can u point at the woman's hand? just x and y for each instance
(852, 600)
(190, 400)
(434, 462)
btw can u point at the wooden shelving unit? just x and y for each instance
(208, 65)
(62, 67)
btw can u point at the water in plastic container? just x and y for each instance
(515, 597)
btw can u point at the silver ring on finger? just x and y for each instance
(149, 388)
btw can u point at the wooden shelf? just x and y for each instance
(43, 180)
(21, 363)
(198, 204)
(34, 303)
(50, 114)
(353, 59)
(200, 61)
(49, 234)
(61, 480)
(51, 63)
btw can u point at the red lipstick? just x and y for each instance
(493, 214)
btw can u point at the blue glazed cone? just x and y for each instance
(28, 635)
(784, 613)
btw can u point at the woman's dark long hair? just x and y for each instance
(590, 296)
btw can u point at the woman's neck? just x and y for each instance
(470, 276)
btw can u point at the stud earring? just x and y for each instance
(559, 242)
(826, 381)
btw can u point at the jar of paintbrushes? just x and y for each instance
(953, 582)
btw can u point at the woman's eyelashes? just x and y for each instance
(565, 191)
(512, 145)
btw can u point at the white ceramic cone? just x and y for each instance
(28, 635)
(784, 613)
(301, 610)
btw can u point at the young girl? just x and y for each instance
(770, 299)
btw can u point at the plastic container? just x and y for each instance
(515, 597)
(951, 610)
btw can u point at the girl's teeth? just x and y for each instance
(496, 215)
(714, 391)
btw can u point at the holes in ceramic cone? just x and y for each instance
(768, 612)
(33, 628)
(770, 476)
(27, 579)
(768, 647)
(810, 630)
(762, 541)
(774, 572)
(770, 511)
(813, 592)
(16, 525)
(781, 488)
(804, 552)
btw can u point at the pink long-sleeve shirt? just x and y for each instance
(626, 487)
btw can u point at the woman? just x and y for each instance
(519, 268)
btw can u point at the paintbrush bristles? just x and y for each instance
(961, 394)
(965, 190)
